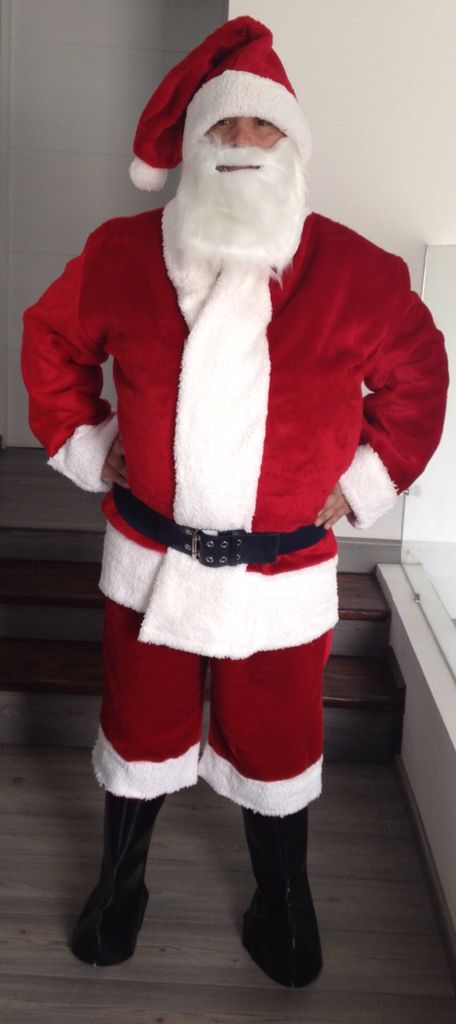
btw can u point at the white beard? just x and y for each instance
(252, 217)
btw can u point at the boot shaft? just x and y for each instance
(278, 850)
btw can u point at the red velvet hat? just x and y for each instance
(234, 72)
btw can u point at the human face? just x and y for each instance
(245, 131)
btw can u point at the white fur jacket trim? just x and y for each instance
(83, 455)
(368, 487)
(223, 391)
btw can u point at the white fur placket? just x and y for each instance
(222, 405)
(218, 448)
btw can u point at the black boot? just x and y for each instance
(108, 927)
(280, 927)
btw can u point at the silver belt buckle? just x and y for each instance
(195, 543)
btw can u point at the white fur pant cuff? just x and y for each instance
(285, 796)
(143, 780)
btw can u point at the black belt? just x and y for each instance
(229, 547)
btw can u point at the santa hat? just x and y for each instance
(233, 73)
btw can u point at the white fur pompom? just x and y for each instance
(145, 177)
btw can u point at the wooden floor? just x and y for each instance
(384, 962)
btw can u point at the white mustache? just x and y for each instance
(219, 155)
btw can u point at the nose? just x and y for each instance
(241, 134)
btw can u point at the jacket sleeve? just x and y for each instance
(61, 366)
(403, 415)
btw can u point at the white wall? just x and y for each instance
(81, 72)
(377, 81)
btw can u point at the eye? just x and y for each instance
(223, 121)
(261, 123)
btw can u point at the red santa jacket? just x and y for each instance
(342, 315)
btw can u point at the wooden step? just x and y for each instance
(51, 545)
(50, 583)
(362, 683)
(50, 666)
(59, 583)
(361, 598)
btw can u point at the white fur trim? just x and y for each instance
(145, 177)
(243, 94)
(83, 455)
(368, 487)
(128, 571)
(223, 391)
(142, 780)
(275, 798)
(220, 613)
(231, 613)
(192, 279)
(222, 405)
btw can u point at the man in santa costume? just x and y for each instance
(242, 327)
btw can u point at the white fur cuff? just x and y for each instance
(82, 457)
(275, 798)
(142, 780)
(368, 487)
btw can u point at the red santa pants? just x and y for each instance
(264, 746)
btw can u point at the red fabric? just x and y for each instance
(61, 363)
(152, 695)
(266, 710)
(344, 313)
(242, 44)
